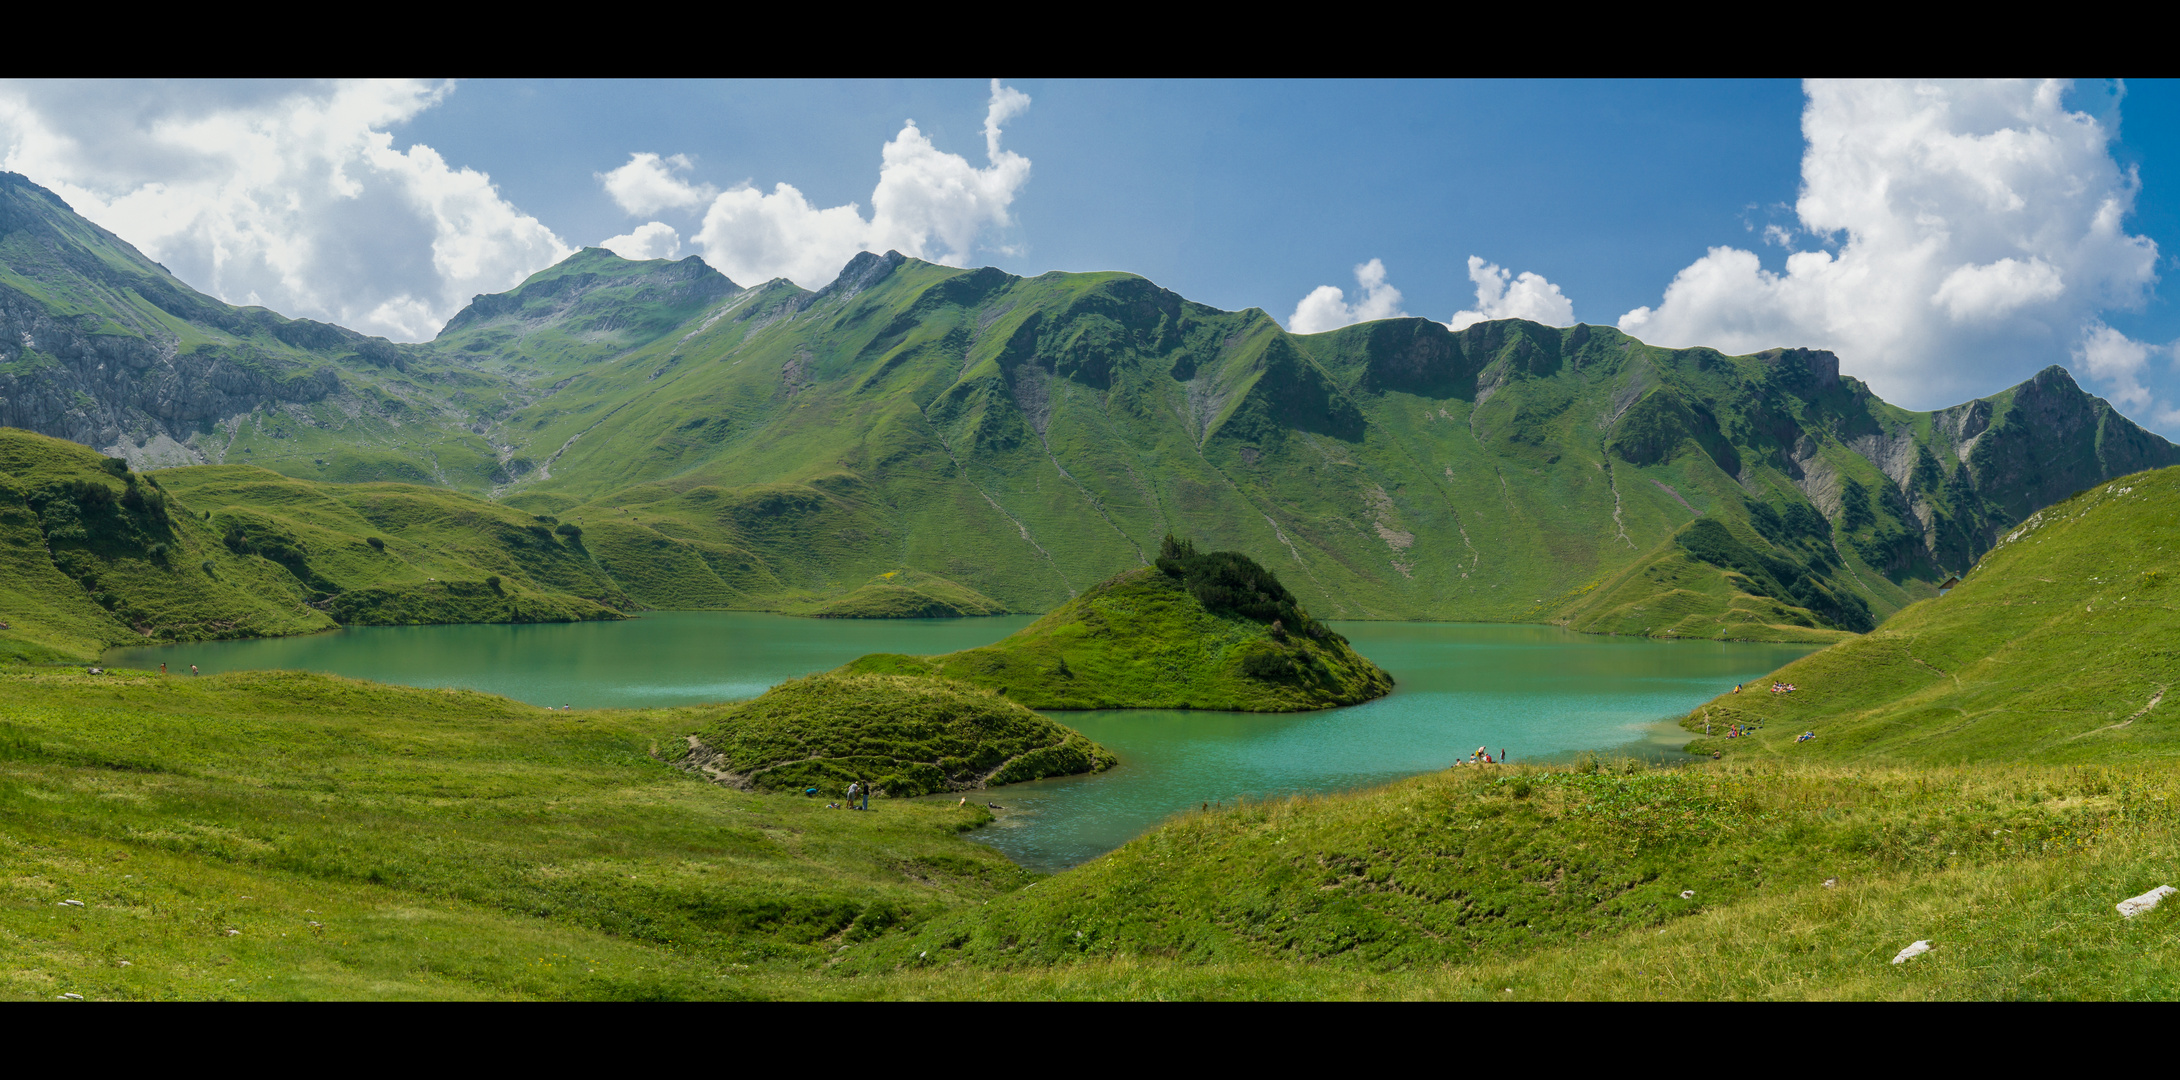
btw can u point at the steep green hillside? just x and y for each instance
(438, 556)
(905, 736)
(592, 306)
(93, 555)
(1197, 631)
(1027, 437)
(102, 346)
(2062, 644)
(773, 447)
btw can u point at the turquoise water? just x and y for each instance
(663, 658)
(1538, 692)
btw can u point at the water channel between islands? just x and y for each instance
(1537, 692)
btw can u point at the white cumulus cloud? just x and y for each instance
(2116, 360)
(929, 204)
(1964, 235)
(1502, 295)
(647, 185)
(653, 240)
(1326, 307)
(292, 198)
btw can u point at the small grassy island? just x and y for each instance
(903, 735)
(1209, 630)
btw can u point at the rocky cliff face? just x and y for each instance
(73, 378)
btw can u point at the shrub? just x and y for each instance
(572, 532)
(1229, 582)
(207, 566)
(492, 582)
(376, 543)
(119, 467)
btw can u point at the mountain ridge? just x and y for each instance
(765, 447)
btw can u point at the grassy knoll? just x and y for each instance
(2058, 646)
(1197, 631)
(907, 594)
(377, 841)
(904, 735)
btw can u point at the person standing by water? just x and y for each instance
(866, 794)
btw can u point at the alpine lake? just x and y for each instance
(1538, 693)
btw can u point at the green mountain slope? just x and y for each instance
(1027, 437)
(93, 555)
(2060, 645)
(1209, 631)
(774, 447)
(100, 345)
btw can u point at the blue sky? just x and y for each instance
(1237, 194)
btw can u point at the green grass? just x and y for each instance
(907, 594)
(454, 845)
(1448, 868)
(904, 736)
(2058, 646)
(449, 844)
(1143, 641)
(92, 555)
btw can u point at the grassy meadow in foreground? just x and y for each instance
(377, 841)
(365, 841)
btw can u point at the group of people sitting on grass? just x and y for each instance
(1805, 736)
(1480, 757)
(1776, 688)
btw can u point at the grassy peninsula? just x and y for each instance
(904, 735)
(906, 594)
(1207, 630)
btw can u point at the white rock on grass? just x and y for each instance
(1911, 952)
(2136, 905)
